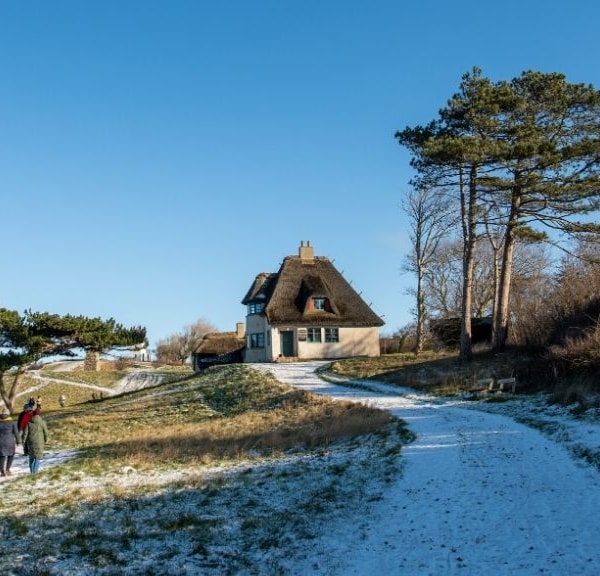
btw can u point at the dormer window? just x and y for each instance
(255, 307)
(319, 303)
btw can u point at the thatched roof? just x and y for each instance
(287, 293)
(261, 288)
(218, 343)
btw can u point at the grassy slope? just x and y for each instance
(226, 412)
(445, 373)
(212, 468)
(128, 502)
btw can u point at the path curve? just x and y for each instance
(480, 494)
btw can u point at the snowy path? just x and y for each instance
(45, 380)
(480, 494)
(137, 380)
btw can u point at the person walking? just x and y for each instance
(26, 414)
(34, 440)
(9, 438)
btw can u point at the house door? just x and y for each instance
(287, 342)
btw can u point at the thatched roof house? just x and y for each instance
(220, 348)
(307, 310)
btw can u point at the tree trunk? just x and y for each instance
(496, 301)
(502, 310)
(3, 392)
(9, 396)
(420, 343)
(501, 321)
(468, 208)
(466, 348)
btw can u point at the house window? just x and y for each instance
(256, 340)
(319, 303)
(313, 335)
(332, 335)
(255, 307)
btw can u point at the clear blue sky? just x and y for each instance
(156, 155)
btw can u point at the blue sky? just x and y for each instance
(156, 155)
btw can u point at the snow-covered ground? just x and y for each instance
(476, 493)
(480, 493)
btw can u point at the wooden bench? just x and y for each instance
(506, 384)
(482, 385)
(488, 385)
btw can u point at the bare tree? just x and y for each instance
(178, 347)
(575, 300)
(532, 265)
(429, 213)
(443, 281)
(532, 292)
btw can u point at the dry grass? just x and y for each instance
(229, 412)
(49, 393)
(582, 391)
(139, 494)
(104, 378)
(309, 423)
(368, 367)
(443, 373)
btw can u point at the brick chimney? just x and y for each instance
(306, 252)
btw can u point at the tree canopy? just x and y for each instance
(522, 156)
(27, 338)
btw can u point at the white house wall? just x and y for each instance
(353, 342)
(276, 342)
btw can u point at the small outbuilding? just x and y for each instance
(220, 348)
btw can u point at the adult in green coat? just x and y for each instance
(34, 440)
